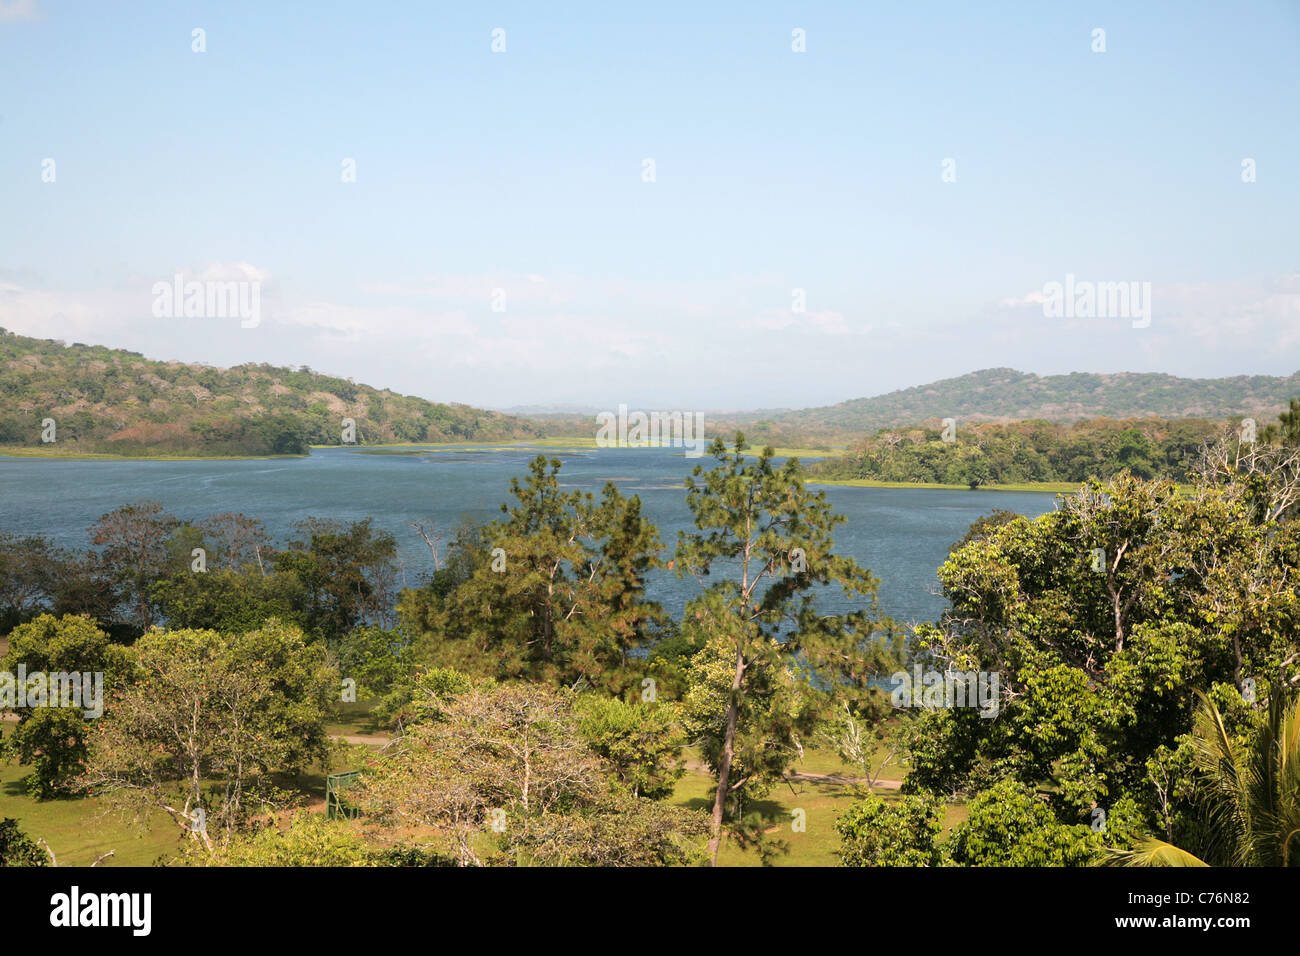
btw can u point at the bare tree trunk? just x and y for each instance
(728, 751)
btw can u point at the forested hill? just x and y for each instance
(112, 400)
(1004, 394)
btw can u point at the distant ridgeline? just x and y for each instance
(113, 401)
(1004, 394)
(979, 453)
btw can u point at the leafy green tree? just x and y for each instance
(874, 832)
(53, 739)
(347, 572)
(777, 713)
(641, 741)
(423, 697)
(309, 840)
(230, 601)
(206, 720)
(1102, 618)
(1009, 826)
(373, 657)
(771, 537)
(17, 848)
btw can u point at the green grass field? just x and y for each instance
(1057, 487)
(71, 453)
(821, 800)
(80, 830)
(801, 453)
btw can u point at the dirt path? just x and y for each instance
(846, 781)
(373, 741)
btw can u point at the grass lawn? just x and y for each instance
(572, 443)
(78, 831)
(355, 720)
(1057, 487)
(801, 453)
(70, 452)
(821, 800)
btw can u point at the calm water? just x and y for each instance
(902, 535)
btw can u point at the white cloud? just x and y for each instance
(20, 11)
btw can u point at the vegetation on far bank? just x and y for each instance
(112, 401)
(1027, 453)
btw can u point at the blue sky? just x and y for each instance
(774, 171)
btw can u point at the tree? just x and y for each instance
(1102, 618)
(28, 575)
(373, 657)
(559, 598)
(421, 698)
(1248, 794)
(1267, 473)
(53, 739)
(857, 730)
(506, 768)
(347, 572)
(876, 833)
(17, 848)
(85, 584)
(775, 716)
(230, 601)
(617, 830)
(236, 541)
(133, 542)
(309, 840)
(641, 741)
(1009, 826)
(205, 721)
(508, 748)
(763, 526)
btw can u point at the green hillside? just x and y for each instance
(111, 401)
(1004, 394)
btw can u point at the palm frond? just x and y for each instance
(1153, 852)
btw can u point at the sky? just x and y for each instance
(673, 205)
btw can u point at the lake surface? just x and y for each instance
(902, 535)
